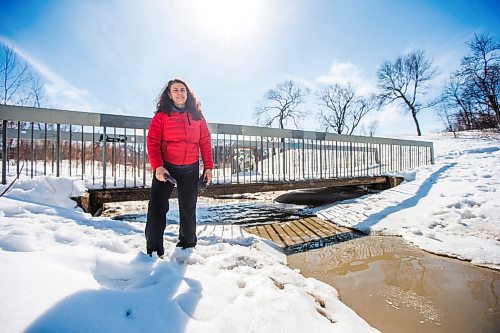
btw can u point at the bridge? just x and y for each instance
(109, 153)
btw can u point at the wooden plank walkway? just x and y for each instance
(303, 234)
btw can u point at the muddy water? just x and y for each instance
(397, 287)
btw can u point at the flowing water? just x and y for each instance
(216, 211)
(397, 287)
(394, 286)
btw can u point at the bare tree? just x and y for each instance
(406, 80)
(282, 104)
(456, 108)
(448, 118)
(344, 108)
(480, 71)
(14, 77)
(372, 127)
(35, 90)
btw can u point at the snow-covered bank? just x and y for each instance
(451, 208)
(62, 270)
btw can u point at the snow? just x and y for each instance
(62, 270)
(450, 208)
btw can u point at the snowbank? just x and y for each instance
(451, 208)
(62, 270)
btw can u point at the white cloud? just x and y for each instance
(58, 92)
(343, 73)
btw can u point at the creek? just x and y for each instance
(394, 286)
(397, 287)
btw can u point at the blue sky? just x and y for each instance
(115, 56)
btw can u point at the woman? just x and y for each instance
(177, 134)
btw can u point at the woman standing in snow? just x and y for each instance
(177, 134)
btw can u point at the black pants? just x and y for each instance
(187, 191)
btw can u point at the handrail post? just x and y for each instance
(4, 152)
(104, 157)
(58, 149)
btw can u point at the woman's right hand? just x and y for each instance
(161, 174)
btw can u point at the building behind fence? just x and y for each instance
(110, 150)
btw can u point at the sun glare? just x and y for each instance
(228, 21)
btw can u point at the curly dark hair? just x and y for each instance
(165, 104)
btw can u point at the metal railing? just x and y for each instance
(110, 150)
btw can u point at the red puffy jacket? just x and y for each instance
(178, 139)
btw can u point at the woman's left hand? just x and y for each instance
(208, 175)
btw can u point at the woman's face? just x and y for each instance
(178, 94)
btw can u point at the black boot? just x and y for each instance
(185, 246)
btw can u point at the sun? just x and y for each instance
(227, 22)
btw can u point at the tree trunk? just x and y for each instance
(414, 115)
(494, 106)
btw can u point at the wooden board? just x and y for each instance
(303, 234)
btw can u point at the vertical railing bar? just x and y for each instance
(321, 156)
(237, 160)
(125, 158)
(83, 151)
(364, 159)
(262, 155)
(268, 159)
(386, 157)
(53, 155)
(310, 158)
(58, 149)
(318, 159)
(244, 155)
(45, 150)
(224, 158)
(283, 140)
(70, 147)
(391, 157)
(18, 154)
(419, 157)
(295, 158)
(344, 159)
(254, 159)
(93, 155)
(312, 155)
(144, 148)
(291, 159)
(104, 156)
(410, 158)
(340, 158)
(113, 157)
(244, 169)
(278, 160)
(217, 157)
(350, 159)
(326, 166)
(336, 159)
(328, 161)
(381, 158)
(272, 158)
(4, 152)
(400, 157)
(303, 159)
(32, 147)
(135, 157)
